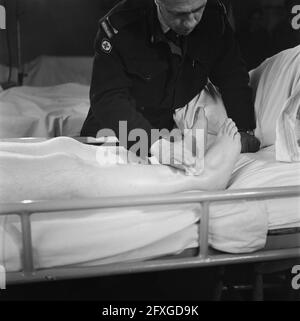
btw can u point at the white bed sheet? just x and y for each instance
(91, 237)
(43, 111)
(245, 224)
(265, 171)
(106, 236)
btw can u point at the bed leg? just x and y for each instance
(218, 289)
(258, 287)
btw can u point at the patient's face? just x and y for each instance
(182, 16)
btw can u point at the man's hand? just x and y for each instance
(177, 154)
(250, 144)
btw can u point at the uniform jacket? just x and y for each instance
(137, 78)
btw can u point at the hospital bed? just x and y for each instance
(53, 101)
(281, 244)
(60, 239)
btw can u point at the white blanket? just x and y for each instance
(101, 236)
(106, 236)
(43, 112)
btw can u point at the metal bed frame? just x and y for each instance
(205, 257)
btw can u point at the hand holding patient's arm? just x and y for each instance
(180, 153)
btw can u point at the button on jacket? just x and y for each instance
(141, 77)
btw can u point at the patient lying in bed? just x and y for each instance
(63, 168)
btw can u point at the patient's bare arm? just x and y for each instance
(64, 175)
(52, 146)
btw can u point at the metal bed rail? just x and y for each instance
(205, 256)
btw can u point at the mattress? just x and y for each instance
(94, 237)
(102, 236)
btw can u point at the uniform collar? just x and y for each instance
(208, 30)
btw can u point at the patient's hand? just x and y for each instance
(250, 143)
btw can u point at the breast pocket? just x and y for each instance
(148, 81)
(145, 70)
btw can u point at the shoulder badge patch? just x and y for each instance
(106, 46)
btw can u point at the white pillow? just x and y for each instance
(274, 82)
(288, 131)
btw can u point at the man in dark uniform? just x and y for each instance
(154, 56)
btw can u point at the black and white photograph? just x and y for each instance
(149, 154)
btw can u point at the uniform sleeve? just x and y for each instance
(110, 96)
(230, 75)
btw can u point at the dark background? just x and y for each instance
(68, 27)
